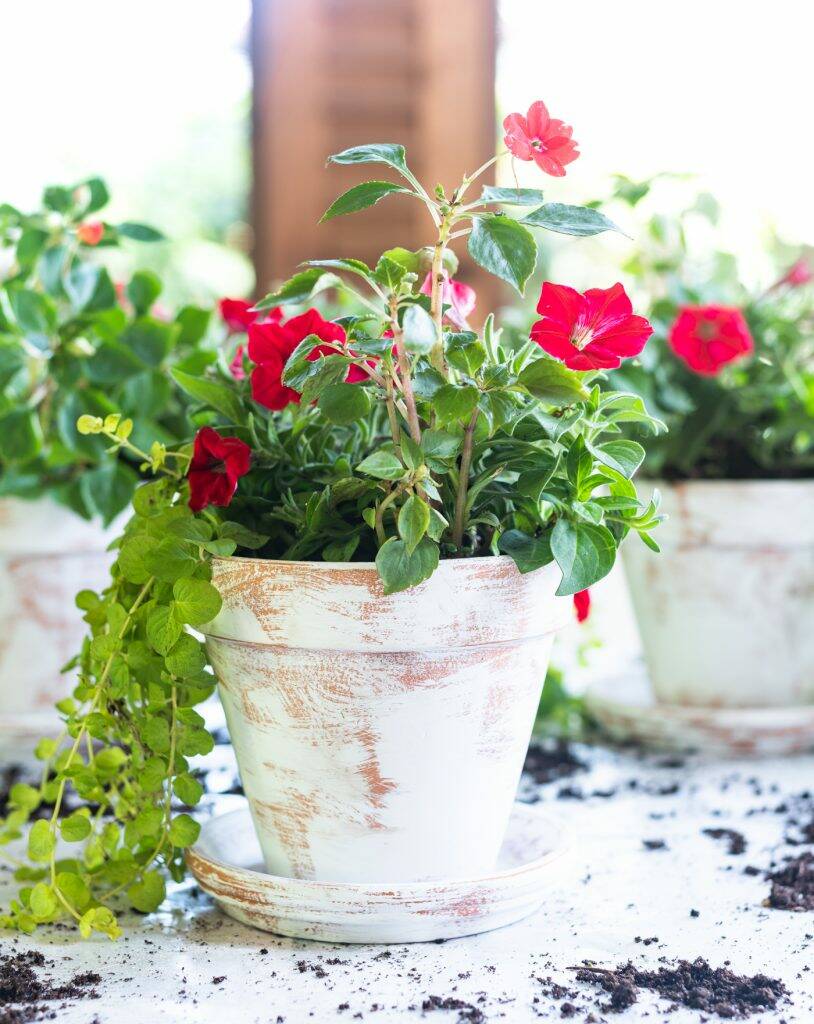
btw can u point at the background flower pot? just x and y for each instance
(381, 738)
(726, 612)
(47, 554)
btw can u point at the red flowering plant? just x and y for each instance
(730, 368)
(397, 434)
(73, 340)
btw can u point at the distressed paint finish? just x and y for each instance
(726, 611)
(47, 554)
(225, 863)
(380, 739)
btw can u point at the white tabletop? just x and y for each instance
(611, 891)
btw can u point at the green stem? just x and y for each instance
(405, 377)
(463, 483)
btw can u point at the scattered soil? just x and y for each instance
(654, 844)
(23, 993)
(548, 761)
(736, 841)
(466, 1011)
(695, 985)
(793, 884)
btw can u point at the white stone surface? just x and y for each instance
(612, 891)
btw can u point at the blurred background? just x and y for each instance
(211, 119)
(157, 98)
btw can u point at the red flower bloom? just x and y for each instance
(594, 331)
(236, 365)
(709, 337)
(540, 138)
(459, 297)
(582, 604)
(217, 464)
(271, 344)
(238, 315)
(91, 232)
(799, 273)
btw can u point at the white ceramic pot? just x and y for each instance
(726, 611)
(381, 739)
(47, 554)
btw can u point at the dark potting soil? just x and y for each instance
(793, 884)
(736, 841)
(549, 760)
(466, 1011)
(695, 985)
(23, 993)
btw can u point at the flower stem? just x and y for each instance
(463, 482)
(404, 372)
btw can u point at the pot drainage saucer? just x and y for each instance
(626, 710)
(227, 864)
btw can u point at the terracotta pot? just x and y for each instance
(726, 611)
(381, 738)
(47, 554)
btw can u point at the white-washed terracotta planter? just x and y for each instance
(47, 554)
(380, 739)
(726, 611)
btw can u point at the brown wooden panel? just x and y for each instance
(335, 73)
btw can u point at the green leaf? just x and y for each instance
(344, 403)
(413, 521)
(163, 630)
(89, 288)
(142, 290)
(98, 195)
(389, 273)
(453, 403)
(108, 488)
(133, 558)
(139, 232)
(360, 197)
(33, 311)
(171, 560)
(383, 465)
(584, 552)
(419, 330)
(149, 340)
(184, 831)
(504, 248)
(112, 363)
(148, 894)
(43, 903)
(511, 196)
(40, 842)
(74, 889)
(399, 569)
(186, 658)
(300, 288)
(623, 456)
(193, 322)
(220, 397)
(24, 796)
(570, 220)
(375, 153)
(187, 788)
(529, 553)
(550, 381)
(20, 436)
(465, 351)
(438, 444)
(100, 919)
(75, 828)
(196, 601)
(156, 734)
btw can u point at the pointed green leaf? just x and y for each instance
(570, 220)
(360, 197)
(504, 248)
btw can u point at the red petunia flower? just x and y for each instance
(798, 274)
(217, 464)
(594, 331)
(238, 315)
(582, 604)
(540, 138)
(271, 344)
(91, 232)
(459, 297)
(709, 337)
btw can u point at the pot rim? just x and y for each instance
(501, 560)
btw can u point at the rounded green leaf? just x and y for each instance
(383, 465)
(413, 521)
(184, 830)
(584, 552)
(344, 403)
(75, 828)
(196, 601)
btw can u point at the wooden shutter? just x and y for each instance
(329, 74)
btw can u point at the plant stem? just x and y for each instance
(463, 482)
(404, 372)
(436, 295)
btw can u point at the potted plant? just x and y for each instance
(71, 341)
(379, 527)
(725, 614)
